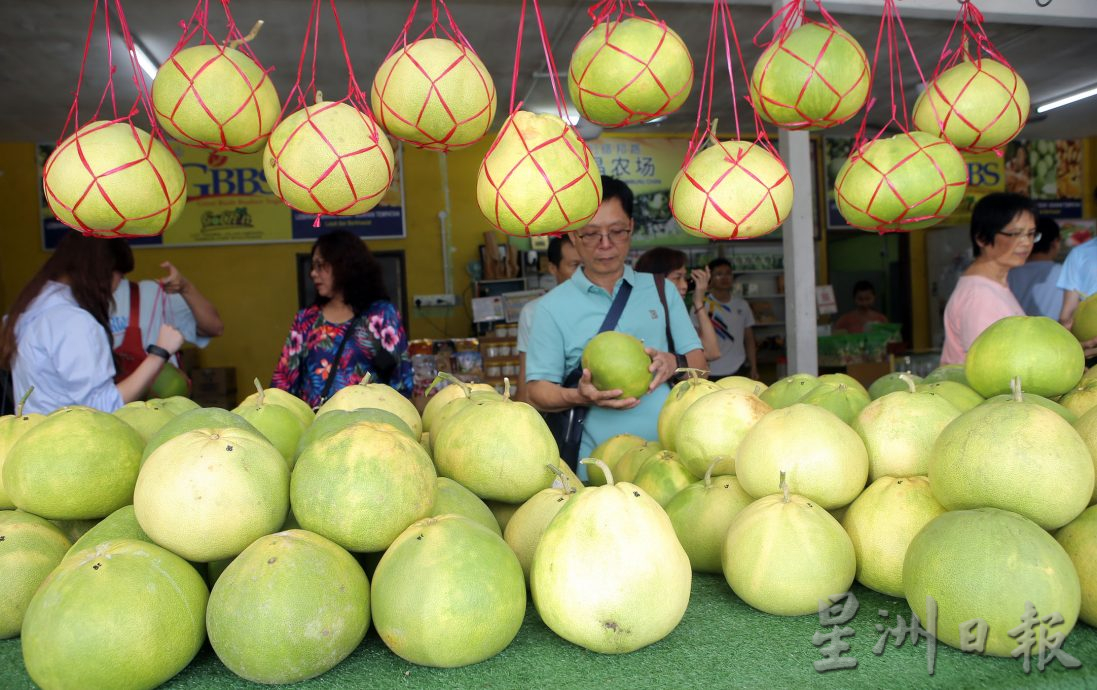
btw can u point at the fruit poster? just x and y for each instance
(229, 202)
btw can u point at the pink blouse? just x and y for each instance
(975, 304)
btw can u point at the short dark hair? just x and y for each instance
(612, 188)
(718, 262)
(661, 260)
(354, 271)
(1048, 230)
(556, 251)
(862, 286)
(993, 213)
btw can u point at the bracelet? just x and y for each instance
(158, 351)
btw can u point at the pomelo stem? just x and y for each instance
(909, 380)
(603, 466)
(757, 390)
(784, 486)
(259, 387)
(369, 374)
(1015, 388)
(712, 132)
(446, 376)
(568, 489)
(506, 388)
(23, 401)
(711, 467)
(319, 96)
(249, 37)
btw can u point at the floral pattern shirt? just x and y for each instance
(305, 364)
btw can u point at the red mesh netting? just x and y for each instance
(344, 175)
(462, 123)
(630, 68)
(110, 178)
(189, 93)
(734, 189)
(830, 94)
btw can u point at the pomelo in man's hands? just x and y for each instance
(617, 361)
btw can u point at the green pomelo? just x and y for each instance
(176, 404)
(452, 498)
(784, 554)
(1044, 472)
(216, 97)
(75, 529)
(663, 477)
(277, 424)
(444, 397)
(202, 418)
(610, 451)
(146, 418)
(684, 394)
(77, 464)
(701, 514)
(497, 449)
(503, 512)
(844, 401)
(375, 395)
(947, 372)
(277, 396)
(362, 486)
(30, 548)
(815, 76)
(732, 190)
(986, 564)
(330, 422)
(585, 581)
(1068, 415)
(525, 527)
(447, 593)
(824, 459)
(1084, 326)
(890, 383)
(1080, 399)
(126, 614)
(538, 177)
(788, 390)
(628, 72)
(12, 428)
(113, 179)
(1079, 540)
(961, 397)
(742, 383)
(1045, 355)
(899, 431)
(908, 181)
(633, 460)
(1086, 426)
(882, 522)
(434, 93)
(844, 379)
(169, 383)
(209, 493)
(329, 158)
(714, 427)
(315, 606)
(978, 106)
(617, 361)
(121, 524)
(455, 407)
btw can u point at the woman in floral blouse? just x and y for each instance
(350, 300)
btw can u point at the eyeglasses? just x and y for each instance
(1014, 236)
(615, 236)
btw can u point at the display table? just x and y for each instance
(720, 643)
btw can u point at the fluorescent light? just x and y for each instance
(1067, 100)
(144, 60)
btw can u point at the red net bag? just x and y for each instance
(734, 189)
(627, 69)
(907, 181)
(976, 100)
(108, 177)
(329, 158)
(215, 95)
(812, 74)
(538, 177)
(434, 92)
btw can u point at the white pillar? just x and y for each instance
(801, 340)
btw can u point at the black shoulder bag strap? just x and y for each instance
(661, 286)
(333, 369)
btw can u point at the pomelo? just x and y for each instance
(447, 593)
(825, 460)
(30, 548)
(379, 395)
(1086, 426)
(743, 383)
(633, 460)
(733, 189)
(1079, 540)
(986, 564)
(628, 72)
(209, 493)
(434, 93)
(170, 382)
(329, 158)
(77, 464)
(882, 522)
(908, 181)
(121, 524)
(146, 418)
(314, 601)
(609, 452)
(457, 405)
(713, 428)
(1084, 325)
(176, 404)
(813, 77)
(617, 361)
(538, 177)
(1068, 415)
(452, 498)
(788, 390)
(844, 401)
(503, 512)
(960, 396)
(844, 379)
(701, 514)
(663, 477)
(12, 428)
(277, 396)
(126, 614)
(977, 105)
(684, 394)
(113, 179)
(201, 418)
(1045, 355)
(585, 581)
(890, 383)
(527, 525)
(946, 372)
(445, 395)
(335, 420)
(276, 423)
(1078, 400)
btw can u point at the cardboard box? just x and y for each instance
(867, 372)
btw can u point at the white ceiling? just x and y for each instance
(41, 44)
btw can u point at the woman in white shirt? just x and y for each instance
(57, 336)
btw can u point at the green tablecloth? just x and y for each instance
(721, 642)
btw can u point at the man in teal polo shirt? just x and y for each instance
(571, 314)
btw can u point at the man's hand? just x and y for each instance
(1090, 348)
(174, 282)
(608, 399)
(663, 366)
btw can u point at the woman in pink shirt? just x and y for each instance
(1003, 230)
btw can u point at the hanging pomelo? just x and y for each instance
(112, 179)
(538, 177)
(813, 77)
(977, 106)
(629, 72)
(215, 97)
(1049, 360)
(329, 158)
(434, 93)
(905, 182)
(733, 189)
